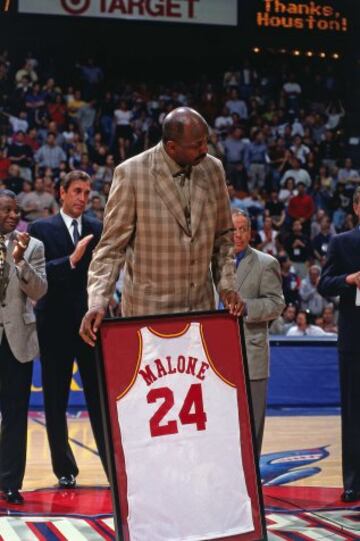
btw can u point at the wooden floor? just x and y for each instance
(288, 433)
(292, 433)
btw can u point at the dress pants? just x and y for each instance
(15, 386)
(349, 369)
(258, 389)
(57, 360)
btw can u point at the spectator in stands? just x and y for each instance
(278, 156)
(316, 223)
(288, 191)
(299, 150)
(290, 280)
(27, 187)
(38, 203)
(4, 164)
(298, 248)
(74, 103)
(215, 146)
(14, 180)
(223, 122)
(57, 111)
(234, 148)
(35, 104)
(275, 209)
(301, 207)
(237, 105)
(92, 77)
(49, 155)
(86, 120)
(348, 175)
(27, 71)
(21, 154)
(297, 173)
(311, 300)
(96, 209)
(235, 202)
(255, 161)
(329, 149)
(328, 319)
(123, 130)
(283, 323)
(268, 236)
(320, 242)
(334, 113)
(303, 327)
(292, 91)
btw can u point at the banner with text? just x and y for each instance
(181, 11)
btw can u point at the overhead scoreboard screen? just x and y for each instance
(309, 15)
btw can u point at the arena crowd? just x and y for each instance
(279, 132)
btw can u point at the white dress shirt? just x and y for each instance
(68, 222)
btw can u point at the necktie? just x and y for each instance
(182, 179)
(76, 232)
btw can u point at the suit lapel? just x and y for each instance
(198, 193)
(9, 251)
(166, 188)
(244, 268)
(64, 232)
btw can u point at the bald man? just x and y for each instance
(168, 220)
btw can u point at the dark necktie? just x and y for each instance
(182, 180)
(76, 231)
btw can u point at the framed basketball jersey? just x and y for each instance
(174, 394)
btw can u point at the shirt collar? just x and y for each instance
(175, 168)
(69, 219)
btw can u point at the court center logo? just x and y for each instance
(75, 7)
(288, 466)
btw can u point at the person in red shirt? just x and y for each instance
(301, 207)
(5, 163)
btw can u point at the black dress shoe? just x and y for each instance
(350, 495)
(13, 496)
(67, 481)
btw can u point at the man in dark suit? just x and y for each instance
(341, 276)
(69, 239)
(22, 280)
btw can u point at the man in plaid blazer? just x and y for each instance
(168, 219)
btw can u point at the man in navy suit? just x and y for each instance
(69, 239)
(341, 276)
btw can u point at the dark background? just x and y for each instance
(161, 51)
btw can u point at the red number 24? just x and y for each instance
(192, 410)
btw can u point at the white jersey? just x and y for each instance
(179, 424)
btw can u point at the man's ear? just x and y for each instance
(170, 147)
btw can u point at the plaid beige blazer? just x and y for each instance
(168, 268)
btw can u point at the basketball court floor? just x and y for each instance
(300, 470)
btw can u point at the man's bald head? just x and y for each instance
(181, 120)
(185, 135)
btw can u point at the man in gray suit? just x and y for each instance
(22, 280)
(258, 280)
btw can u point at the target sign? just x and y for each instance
(75, 7)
